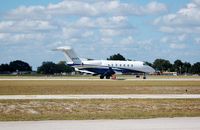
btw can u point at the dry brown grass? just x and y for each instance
(96, 109)
(15, 87)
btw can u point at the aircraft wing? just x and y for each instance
(117, 70)
(84, 71)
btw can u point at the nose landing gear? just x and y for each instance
(144, 76)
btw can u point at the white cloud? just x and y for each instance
(155, 7)
(25, 26)
(105, 40)
(88, 34)
(181, 29)
(197, 40)
(72, 8)
(167, 29)
(164, 39)
(86, 8)
(182, 37)
(101, 22)
(110, 32)
(185, 20)
(176, 41)
(4, 36)
(30, 12)
(26, 37)
(70, 32)
(196, 2)
(175, 38)
(7, 38)
(72, 19)
(85, 22)
(177, 46)
(82, 23)
(146, 45)
(4, 25)
(112, 22)
(127, 40)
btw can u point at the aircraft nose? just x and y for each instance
(151, 70)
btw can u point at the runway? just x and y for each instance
(123, 96)
(88, 79)
(189, 123)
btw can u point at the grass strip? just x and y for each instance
(15, 110)
(97, 87)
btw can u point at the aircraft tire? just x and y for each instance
(107, 77)
(101, 77)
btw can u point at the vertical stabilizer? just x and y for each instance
(69, 54)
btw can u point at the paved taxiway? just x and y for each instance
(189, 123)
(85, 79)
(123, 96)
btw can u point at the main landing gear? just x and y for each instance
(109, 73)
(108, 77)
(102, 77)
(144, 76)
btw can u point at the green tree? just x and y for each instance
(195, 69)
(4, 68)
(19, 65)
(178, 66)
(117, 57)
(162, 65)
(62, 67)
(149, 64)
(52, 68)
(47, 68)
(186, 67)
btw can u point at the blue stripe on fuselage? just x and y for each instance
(73, 65)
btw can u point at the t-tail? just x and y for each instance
(71, 56)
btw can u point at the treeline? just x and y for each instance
(15, 66)
(49, 67)
(178, 66)
(46, 67)
(52, 68)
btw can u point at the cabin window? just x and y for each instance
(109, 65)
(112, 65)
(131, 65)
(124, 65)
(116, 65)
(128, 65)
(120, 65)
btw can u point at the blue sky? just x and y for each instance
(138, 29)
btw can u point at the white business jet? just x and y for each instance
(104, 68)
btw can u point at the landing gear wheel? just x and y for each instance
(144, 77)
(107, 77)
(101, 77)
(137, 76)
